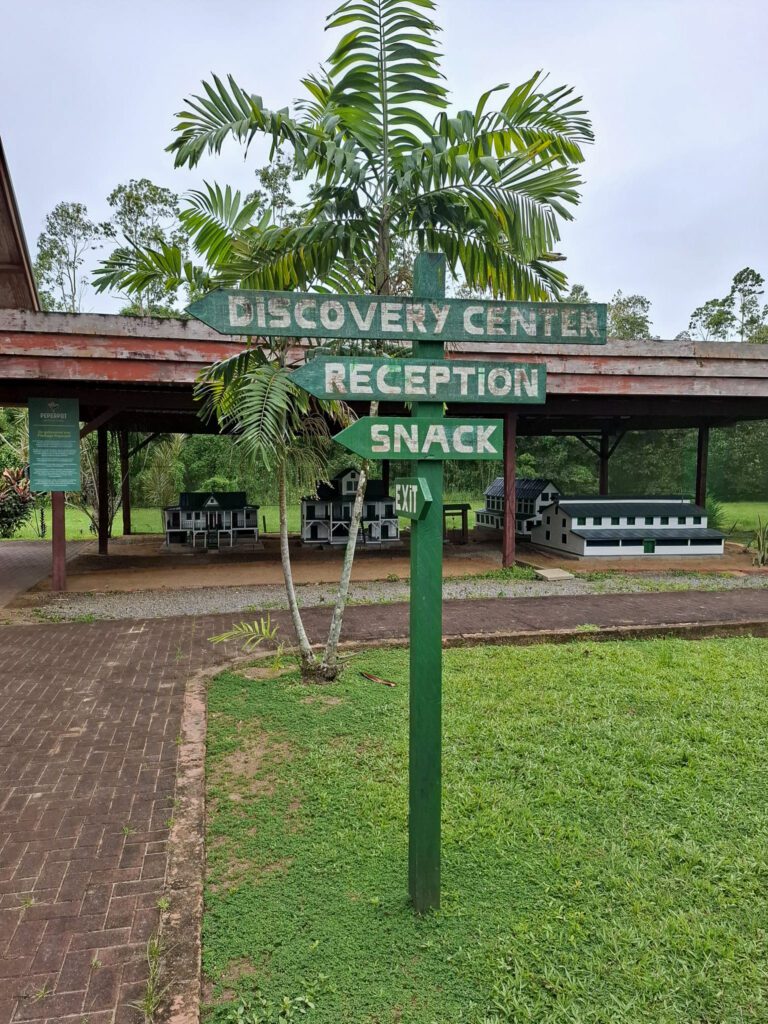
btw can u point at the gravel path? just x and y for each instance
(156, 604)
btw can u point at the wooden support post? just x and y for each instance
(702, 458)
(510, 499)
(426, 644)
(102, 484)
(605, 454)
(125, 482)
(58, 542)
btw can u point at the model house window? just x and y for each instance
(564, 539)
(370, 511)
(615, 520)
(597, 520)
(310, 511)
(350, 484)
(564, 524)
(697, 520)
(681, 520)
(545, 496)
(546, 535)
(389, 511)
(664, 520)
(649, 520)
(630, 520)
(581, 521)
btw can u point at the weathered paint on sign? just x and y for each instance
(387, 437)
(54, 444)
(436, 380)
(294, 314)
(412, 497)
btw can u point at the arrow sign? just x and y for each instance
(294, 314)
(387, 437)
(434, 380)
(412, 497)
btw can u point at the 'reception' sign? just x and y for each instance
(435, 380)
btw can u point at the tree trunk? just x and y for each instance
(308, 660)
(329, 668)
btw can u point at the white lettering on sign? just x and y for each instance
(405, 498)
(240, 311)
(302, 308)
(464, 438)
(363, 322)
(442, 381)
(349, 316)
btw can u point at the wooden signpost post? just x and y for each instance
(427, 380)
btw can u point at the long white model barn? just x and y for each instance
(627, 526)
(326, 516)
(531, 496)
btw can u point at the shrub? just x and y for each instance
(16, 501)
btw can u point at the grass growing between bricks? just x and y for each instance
(605, 836)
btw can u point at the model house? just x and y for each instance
(531, 496)
(326, 516)
(211, 519)
(627, 526)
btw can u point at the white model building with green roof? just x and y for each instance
(627, 527)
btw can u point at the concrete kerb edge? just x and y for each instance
(181, 922)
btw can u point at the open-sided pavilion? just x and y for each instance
(136, 376)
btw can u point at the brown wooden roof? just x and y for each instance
(17, 283)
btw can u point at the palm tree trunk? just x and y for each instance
(329, 667)
(305, 650)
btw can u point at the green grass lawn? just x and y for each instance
(143, 520)
(605, 836)
(744, 515)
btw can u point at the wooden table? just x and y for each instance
(458, 508)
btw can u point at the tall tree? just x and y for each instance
(713, 320)
(749, 312)
(145, 214)
(488, 188)
(68, 236)
(629, 317)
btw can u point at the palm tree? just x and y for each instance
(486, 187)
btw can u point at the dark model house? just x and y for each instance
(627, 526)
(531, 495)
(325, 517)
(211, 518)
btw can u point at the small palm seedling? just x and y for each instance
(252, 634)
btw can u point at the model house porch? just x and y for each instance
(211, 519)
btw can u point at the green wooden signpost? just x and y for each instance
(411, 380)
(422, 318)
(426, 380)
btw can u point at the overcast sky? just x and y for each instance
(674, 201)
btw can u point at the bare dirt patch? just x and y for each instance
(325, 701)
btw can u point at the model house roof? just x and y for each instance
(199, 501)
(659, 533)
(627, 507)
(526, 488)
(331, 491)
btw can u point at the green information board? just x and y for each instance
(54, 444)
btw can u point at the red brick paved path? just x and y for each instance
(23, 563)
(88, 751)
(91, 714)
